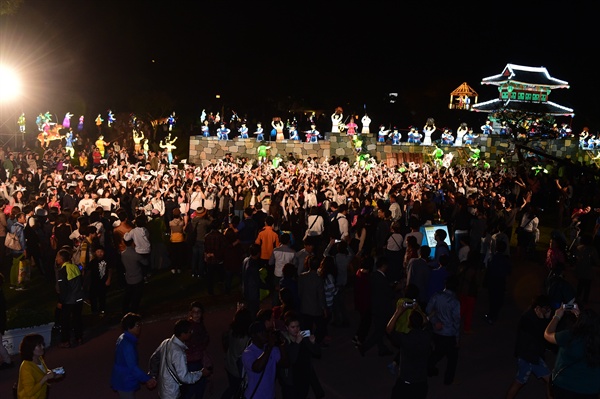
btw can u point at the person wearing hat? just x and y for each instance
(197, 233)
(260, 360)
(294, 132)
(223, 132)
(243, 130)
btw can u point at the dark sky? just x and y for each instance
(88, 56)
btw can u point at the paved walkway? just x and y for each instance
(485, 369)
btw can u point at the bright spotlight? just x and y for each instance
(10, 85)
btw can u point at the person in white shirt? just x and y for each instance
(343, 221)
(395, 208)
(87, 205)
(106, 202)
(158, 203)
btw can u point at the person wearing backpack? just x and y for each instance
(127, 376)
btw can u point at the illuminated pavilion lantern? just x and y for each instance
(524, 89)
(463, 97)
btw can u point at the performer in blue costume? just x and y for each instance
(487, 128)
(69, 140)
(223, 132)
(414, 137)
(294, 132)
(243, 130)
(396, 136)
(382, 134)
(205, 129)
(470, 137)
(260, 132)
(447, 137)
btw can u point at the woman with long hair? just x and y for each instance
(576, 371)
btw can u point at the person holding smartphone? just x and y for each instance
(297, 379)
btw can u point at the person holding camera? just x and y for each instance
(260, 360)
(576, 372)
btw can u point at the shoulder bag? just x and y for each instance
(12, 242)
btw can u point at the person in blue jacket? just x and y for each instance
(127, 376)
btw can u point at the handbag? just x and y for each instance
(12, 242)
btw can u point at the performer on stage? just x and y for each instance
(39, 121)
(259, 132)
(137, 141)
(169, 147)
(80, 124)
(438, 156)
(382, 134)
(67, 120)
(351, 128)
(203, 116)
(99, 121)
(69, 140)
(396, 136)
(223, 132)
(171, 121)
(336, 120)
(470, 137)
(205, 128)
(564, 131)
(366, 121)
(243, 130)
(414, 137)
(278, 126)
(111, 118)
(447, 137)
(475, 154)
(428, 130)
(261, 151)
(312, 135)
(100, 143)
(487, 128)
(504, 129)
(583, 136)
(22, 123)
(293, 130)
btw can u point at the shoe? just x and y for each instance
(21, 289)
(172, 271)
(64, 345)
(488, 319)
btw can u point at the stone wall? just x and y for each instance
(203, 150)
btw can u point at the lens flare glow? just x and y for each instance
(10, 84)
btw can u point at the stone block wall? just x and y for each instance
(204, 150)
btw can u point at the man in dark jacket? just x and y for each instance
(531, 346)
(70, 286)
(382, 308)
(215, 245)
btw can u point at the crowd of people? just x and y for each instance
(295, 238)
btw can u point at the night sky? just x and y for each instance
(87, 56)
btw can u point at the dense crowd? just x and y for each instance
(299, 233)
